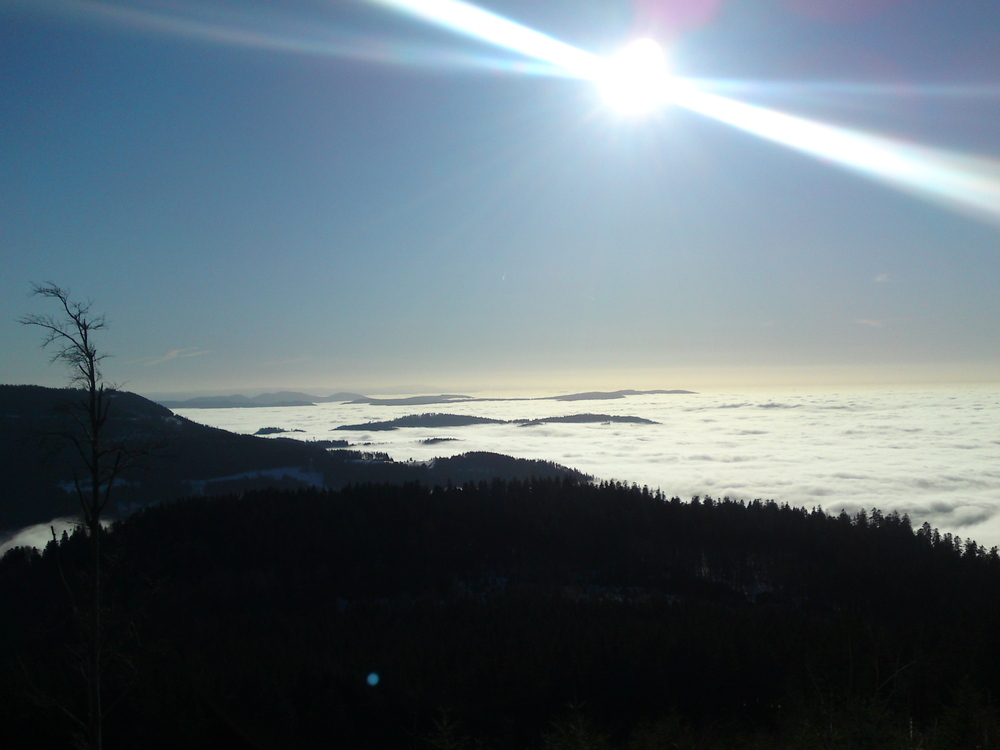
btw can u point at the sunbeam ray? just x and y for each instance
(734, 87)
(472, 21)
(961, 182)
(279, 34)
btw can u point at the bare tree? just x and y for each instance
(70, 336)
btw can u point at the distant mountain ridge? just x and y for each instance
(281, 398)
(294, 398)
(462, 420)
(604, 395)
(444, 398)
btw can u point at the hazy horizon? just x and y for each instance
(748, 380)
(525, 385)
(541, 391)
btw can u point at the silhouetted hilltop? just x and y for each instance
(444, 398)
(423, 420)
(541, 614)
(182, 457)
(604, 395)
(589, 418)
(463, 420)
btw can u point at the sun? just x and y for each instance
(636, 80)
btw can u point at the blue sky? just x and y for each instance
(323, 195)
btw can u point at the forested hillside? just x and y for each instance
(178, 457)
(513, 614)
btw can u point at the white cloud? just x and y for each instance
(930, 453)
(191, 351)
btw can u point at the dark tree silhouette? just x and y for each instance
(70, 336)
(546, 613)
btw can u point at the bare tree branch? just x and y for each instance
(69, 336)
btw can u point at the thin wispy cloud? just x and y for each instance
(173, 354)
(882, 278)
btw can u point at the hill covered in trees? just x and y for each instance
(548, 613)
(178, 457)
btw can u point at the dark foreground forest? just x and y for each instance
(540, 614)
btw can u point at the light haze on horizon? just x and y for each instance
(328, 196)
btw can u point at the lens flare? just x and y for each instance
(472, 21)
(637, 80)
(276, 30)
(960, 182)
(963, 183)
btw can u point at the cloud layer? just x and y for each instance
(931, 453)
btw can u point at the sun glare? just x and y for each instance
(636, 80)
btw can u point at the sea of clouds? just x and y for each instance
(933, 453)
